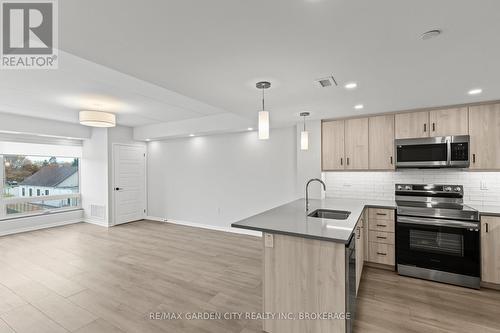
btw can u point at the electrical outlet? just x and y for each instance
(269, 240)
(483, 186)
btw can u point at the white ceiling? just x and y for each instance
(214, 51)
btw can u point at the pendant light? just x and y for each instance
(263, 115)
(304, 135)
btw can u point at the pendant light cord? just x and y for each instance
(263, 99)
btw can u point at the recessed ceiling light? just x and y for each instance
(351, 85)
(476, 91)
(430, 34)
(359, 106)
(250, 128)
(148, 140)
(191, 134)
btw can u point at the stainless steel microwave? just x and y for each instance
(436, 152)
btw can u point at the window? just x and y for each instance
(55, 179)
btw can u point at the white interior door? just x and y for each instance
(129, 183)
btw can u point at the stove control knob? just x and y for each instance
(447, 189)
(458, 189)
(400, 187)
(408, 187)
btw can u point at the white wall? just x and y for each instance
(94, 175)
(217, 180)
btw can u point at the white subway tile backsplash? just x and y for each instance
(380, 185)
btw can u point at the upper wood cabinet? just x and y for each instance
(332, 145)
(490, 249)
(412, 125)
(356, 144)
(446, 122)
(381, 142)
(484, 130)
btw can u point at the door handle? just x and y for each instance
(118, 188)
(391, 161)
(348, 161)
(341, 161)
(486, 227)
(473, 158)
(425, 127)
(434, 127)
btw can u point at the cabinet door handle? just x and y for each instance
(359, 233)
(434, 127)
(382, 253)
(382, 225)
(381, 237)
(391, 160)
(486, 227)
(341, 161)
(348, 161)
(473, 158)
(382, 214)
(425, 127)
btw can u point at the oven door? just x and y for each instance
(438, 244)
(423, 153)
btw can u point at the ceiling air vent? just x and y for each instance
(327, 82)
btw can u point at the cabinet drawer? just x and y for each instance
(381, 225)
(381, 253)
(381, 214)
(381, 237)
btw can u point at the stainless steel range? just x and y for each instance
(437, 236)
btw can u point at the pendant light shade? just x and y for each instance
(304, 135)
(263, 115)
(263, 125)
(97, 119)
(304, 140)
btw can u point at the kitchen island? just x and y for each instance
(309, 275)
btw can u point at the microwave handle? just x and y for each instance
(448, 151)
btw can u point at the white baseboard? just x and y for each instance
(207, 226)
(39, 227)
(98, 222)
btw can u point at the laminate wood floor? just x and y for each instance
(87, 279)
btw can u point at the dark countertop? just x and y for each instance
(291, 219)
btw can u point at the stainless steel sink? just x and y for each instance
(330, 214)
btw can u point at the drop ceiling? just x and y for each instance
(160, 61)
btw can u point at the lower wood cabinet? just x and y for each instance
(360, 252)
(490, 249)
(381, 227)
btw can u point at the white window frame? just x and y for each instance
(6, 201)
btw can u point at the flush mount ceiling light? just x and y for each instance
(430, 34)
(97, 119)
(351, 85)
(263, 115)
(475, 91)
(359, 106)
(250, 129)
(304, 135)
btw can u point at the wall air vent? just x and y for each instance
(98, 211)
(326, 82)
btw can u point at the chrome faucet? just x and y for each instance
(307, 190)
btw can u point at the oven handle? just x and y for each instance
(437, 222)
